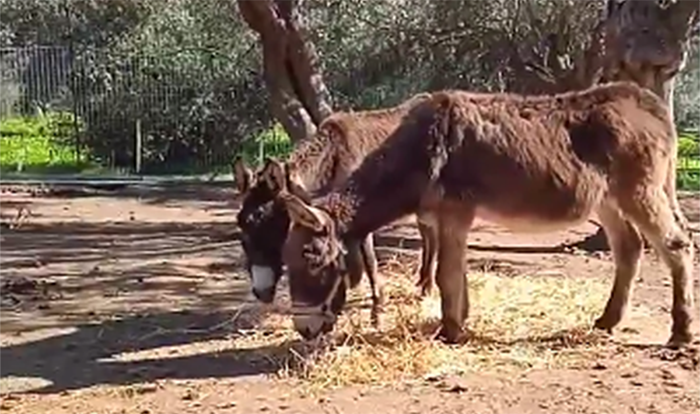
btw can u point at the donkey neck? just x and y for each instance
(313, 163)
(388, 185)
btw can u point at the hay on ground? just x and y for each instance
(516, 322)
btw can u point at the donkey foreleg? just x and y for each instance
(428, 229)
(451, 272)
(369, 259)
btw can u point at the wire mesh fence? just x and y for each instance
(63, 110)
(142, 113)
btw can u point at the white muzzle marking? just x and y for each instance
(263, 278)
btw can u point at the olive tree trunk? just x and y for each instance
(299, 99)
(647, 43)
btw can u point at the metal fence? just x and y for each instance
(61, 110)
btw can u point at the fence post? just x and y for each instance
(261, 151)
(138, 146)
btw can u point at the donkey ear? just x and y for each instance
(304, 214)
(274, 175)
(294, 183)
(243, 176)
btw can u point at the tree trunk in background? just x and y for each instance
(558, 62)
(299, 99)
(647, 42)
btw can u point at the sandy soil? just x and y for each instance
(119, 302)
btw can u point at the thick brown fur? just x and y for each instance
(316, 165)
(341, 143)
(529, 163)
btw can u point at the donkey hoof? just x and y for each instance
(425, 286)
(374, 316)
(453, 335)
(604, 324)
(679, 340)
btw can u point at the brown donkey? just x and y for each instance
(317, 165)
(529, 163)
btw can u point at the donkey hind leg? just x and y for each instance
(451, 269)
(654, 215)
(626, 245)
(670, 188)
(369, 259)
(429, 236)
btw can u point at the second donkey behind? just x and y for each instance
(316, 165)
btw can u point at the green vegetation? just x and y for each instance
(688, 176)
(41, 143)
(45, 144)
(273, 142)
(190, 71)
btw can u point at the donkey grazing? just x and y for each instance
(317, 165)
(537, 163)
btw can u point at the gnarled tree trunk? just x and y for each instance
(299, 99)
(647, 42)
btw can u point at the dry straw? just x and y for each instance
(516, 322)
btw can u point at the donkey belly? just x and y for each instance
(541, 212)
(529, 222)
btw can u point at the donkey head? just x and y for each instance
(264, 223)
(321, 267)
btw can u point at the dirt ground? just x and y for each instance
(118, 302)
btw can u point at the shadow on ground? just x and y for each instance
(74, 242)
(75, 360)
(220, 194)
(83, 241)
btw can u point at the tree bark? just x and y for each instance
(641, 37)
(547, 75)
(299, 98)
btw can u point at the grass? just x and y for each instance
(32, 145)
(517, 323)
(29, 146)
(40, 144)
(688, 174)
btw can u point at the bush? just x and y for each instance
(273, 142)
(688, 145)
(39, 143)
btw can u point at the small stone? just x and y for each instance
(667, 375)
(189, 395)
(226, 405)
(457, 388)
(599, 366)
